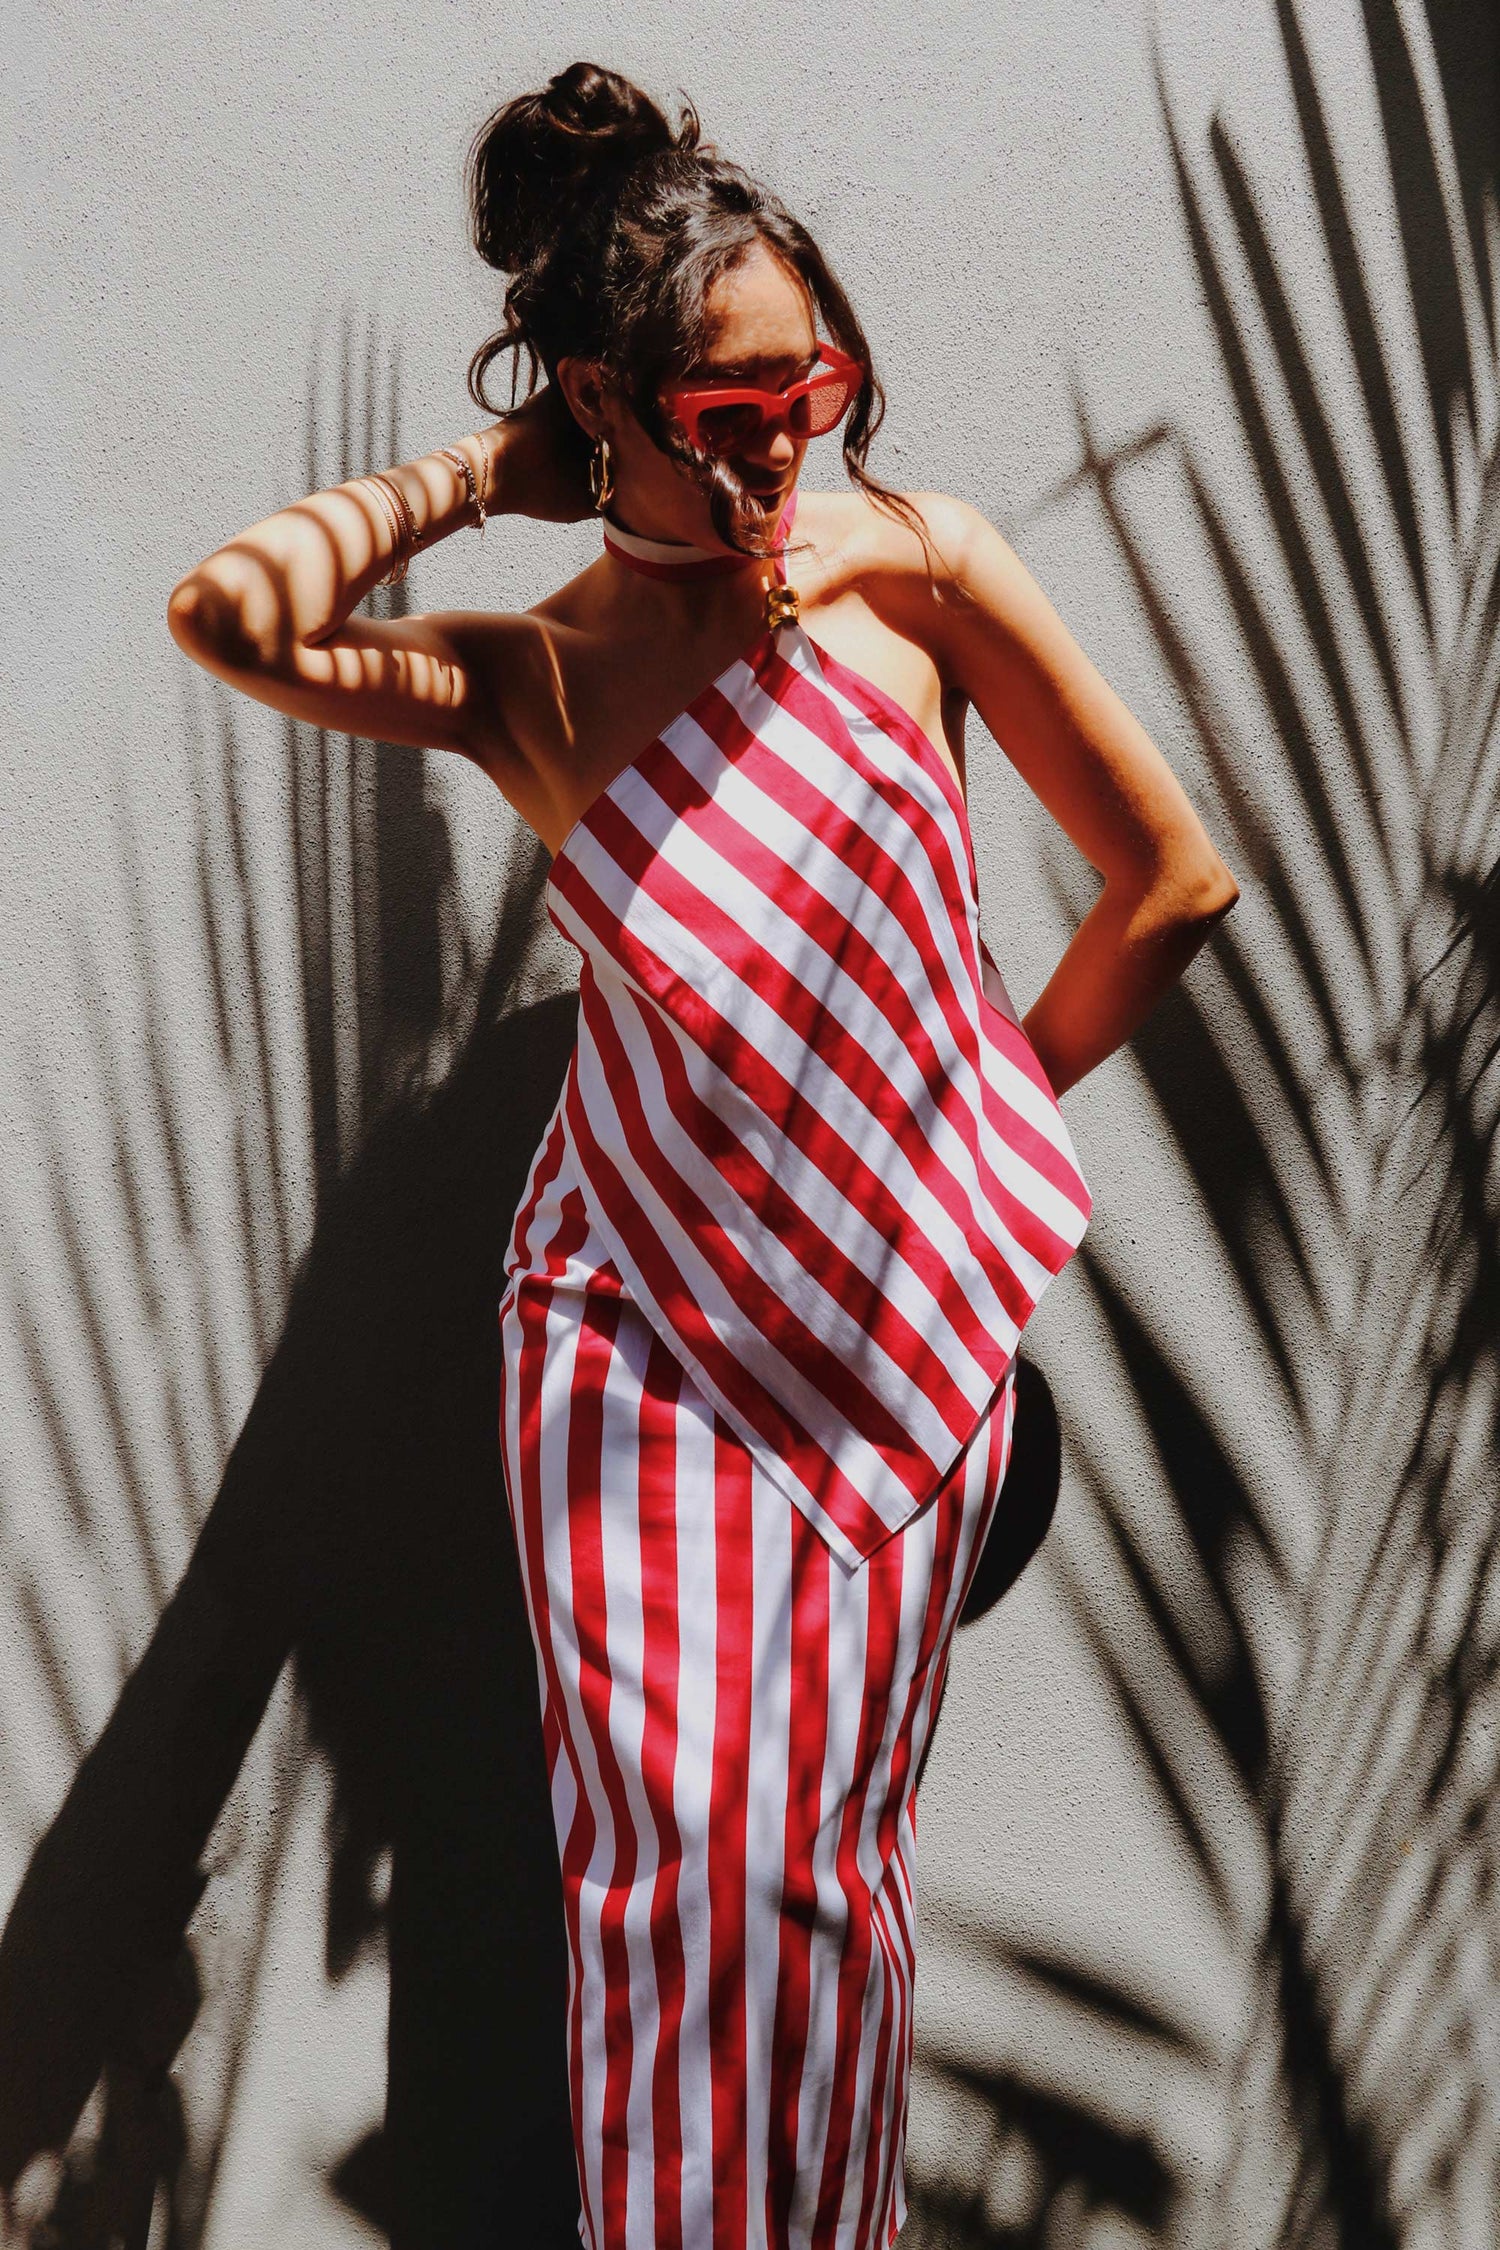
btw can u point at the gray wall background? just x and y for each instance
(1200, 306)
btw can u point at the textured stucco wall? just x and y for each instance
(1199, 305)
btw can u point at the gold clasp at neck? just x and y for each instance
(781, 606)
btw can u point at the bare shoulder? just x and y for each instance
(921, 544)
(511, 661)
(929, 568)
(496, 644)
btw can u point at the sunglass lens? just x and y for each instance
(818, 410)
(721, 428)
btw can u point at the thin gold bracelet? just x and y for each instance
(385, 509)
(406, 535)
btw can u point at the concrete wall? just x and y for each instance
(1199, 305)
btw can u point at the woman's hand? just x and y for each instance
(541, 463)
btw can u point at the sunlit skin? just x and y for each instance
(553, 702)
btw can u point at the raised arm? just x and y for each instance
(1004, 647)
(270, 612)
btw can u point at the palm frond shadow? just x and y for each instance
(1328, 1081)
(1030, 2159)
(383, 1126)
(1043, 2169)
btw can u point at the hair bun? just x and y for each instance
(544, 159)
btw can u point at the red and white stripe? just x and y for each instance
(733, 1723)
(829, 1167)
(804, 1186)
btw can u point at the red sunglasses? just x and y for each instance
(725, 416)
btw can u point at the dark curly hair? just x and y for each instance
(614, 225)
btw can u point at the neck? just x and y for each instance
(678, 559)
(669, 558)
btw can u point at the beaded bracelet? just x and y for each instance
(451, 453)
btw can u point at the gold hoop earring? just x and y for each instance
(601, 475)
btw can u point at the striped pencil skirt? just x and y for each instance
(733, 1725)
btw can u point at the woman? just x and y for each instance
(807, 1177)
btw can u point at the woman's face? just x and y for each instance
(761, 332)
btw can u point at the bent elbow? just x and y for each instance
(185, 607)
(1211, 892)
(203, 623)
(208, 624)
(1188, 892)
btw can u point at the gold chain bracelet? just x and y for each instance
(460, 462)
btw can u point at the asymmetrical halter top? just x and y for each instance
(805, 1116)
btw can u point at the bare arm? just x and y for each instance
(1100, 776)
(270, 612)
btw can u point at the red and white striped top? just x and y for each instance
(825, 1158)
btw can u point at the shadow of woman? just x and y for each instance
(360, 1530)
